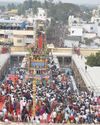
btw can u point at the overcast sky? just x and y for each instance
(83, 1)
(69, 1)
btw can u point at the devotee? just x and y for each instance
(56, 101)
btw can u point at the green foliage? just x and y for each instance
(58, 11)
(35, 5)
(61, 11)
(2, 8)
(88, 41)
(87, 12)
(94, 60)
(51, 31)
(28, 4)
(11, 6)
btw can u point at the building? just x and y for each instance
(41, 20)
(4, 64)
(96, 12)
(76, 30)
(71, 41)
(74, 20)
(86, 78)
(16, 32)
(89, 35)
(20, 30)
(95, 19)
(89, 27)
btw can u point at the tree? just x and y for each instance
(11, 6)
(36, 5)
(45, 4)
(94, 60)
(97, 59)
(61, 11)
(27, 4)
(21, 9)
(2, 8)
(30, 3)
(58, 11)
(91, 60)
(88, 41)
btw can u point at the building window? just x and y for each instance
(29, 36)
(38, 72)
(91, 28)
(19, 41)
(97, 20)
(75, 21)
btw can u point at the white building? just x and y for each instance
(83, 29)
(41, 15)
(97, 41)
(76, 31)
(21, 31)
(89, 35)
(91, 77)
(73, 20)
(95, 19)
(41, 18)
(98, 30)
(96, 12)
(71, 41)
(96, 15)
(89, 27)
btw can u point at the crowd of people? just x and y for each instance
(56, 102)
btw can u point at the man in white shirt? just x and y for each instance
(53, 115)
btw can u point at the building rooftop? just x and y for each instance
(73, 38)
(94, 73)
(9, 21)
(19, 53)
(91, 76)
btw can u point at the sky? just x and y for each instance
(67, 1)
(83, 1)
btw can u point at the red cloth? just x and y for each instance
(49, 118)
(72, 118)
(59, 117)
(2, 100)
(40, 42)
(17, 111)
(4, 50)
(6, 116)
(37, 108)
(10, 108)
(98, 100)
(14, 78)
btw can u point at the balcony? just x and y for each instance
(17, 32)
(18, 49)
(28, 40)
